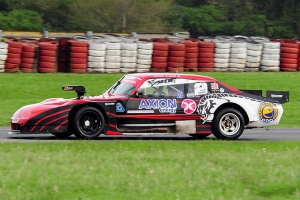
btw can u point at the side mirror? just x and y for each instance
(140, 91)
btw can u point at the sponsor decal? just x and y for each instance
(140, 111)
(160, 81)
(189, 106)
(119, 108)
(179, 94)
(109, 104)
(214, 86)
(267, 112)
(276, 96)
(68, 88)
(164, 105)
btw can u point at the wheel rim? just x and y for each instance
(89, 123)
(229, 124)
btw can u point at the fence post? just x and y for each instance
(1, 33)
(89, 33)
(45, 34)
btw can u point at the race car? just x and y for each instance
(152, 104)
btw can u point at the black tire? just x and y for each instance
(199, 136)
(228, 124)
(87, 123)
(63, 135)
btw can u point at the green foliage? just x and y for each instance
(24, 20)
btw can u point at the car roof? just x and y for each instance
(172, 75)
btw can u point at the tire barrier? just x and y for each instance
(115, 54)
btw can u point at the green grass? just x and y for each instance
(207, 169)
(19, 89)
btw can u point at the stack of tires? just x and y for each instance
(270, 59)
(160, 57)
(238, 54)
(63, 55)
(176, 57)
(3, 55)
(191, 55)
(206, 56)
(13, 60)
(96, 57)
(78, 56)
(113, 57)
(29, 58)
(144, 56)
(254, 51)
(128, 57)
(47, 57)
(289, 56)
(222, 55)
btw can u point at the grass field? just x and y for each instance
(21, 89)
(136, 170)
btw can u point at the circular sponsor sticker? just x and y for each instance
(267, 112)
(189, 106)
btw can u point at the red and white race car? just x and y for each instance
(154, 103)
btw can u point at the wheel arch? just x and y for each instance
(237, 107)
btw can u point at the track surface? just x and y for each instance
(248, 135)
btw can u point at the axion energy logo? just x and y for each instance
(189, 106)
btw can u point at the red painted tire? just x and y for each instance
(47, 59)
(14, 50)
(78, 55)
(190, 43)
(12, 65)
(13, 55)
(158, 69)
(63, 43)
(206, 60)
(75, 43)
(78, 60)
(206, 44)
(79, 49)
(290, 45)
(29, 47)
(26, 65)
(206, 65)
(159, 64)
(175, 64)
(288, 65)
(26, 70)
(80, 71)
(192, 50)
(11, 70)
(46, 70)
(289, 50)
(206, 55)
(27, 60)
(159, 59)
(289, 55)
(78, 66)
(176, 59)
(14, 44)
(206, 50)
(48, 53)
(28, 54)
(288, 60)
(191, 60)
(175, 69)
(191, 55)
(160, 53)
(191, 65)
(288, 69)
(191, 69)
(160, 46)
(46, 64)
(47, 46)
(13, 60)
(177, 53)
(176, 47)
(204, 69)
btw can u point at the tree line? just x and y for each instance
(269, 18)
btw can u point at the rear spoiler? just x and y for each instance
(280, 96)
(79, 89)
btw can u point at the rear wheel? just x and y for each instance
(228, 124)
(88, 123)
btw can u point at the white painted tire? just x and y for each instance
(3, 45)
(112, 65)
(144, 61)
(271, 45)
(271, 63)
(239, 55)
(255, 46)
(96, 64)
(253, 59)
(222, 55)
(145, 45)
(128, 65)
(237, 60)
(113, 52)
(252, 69)
(270, 57)
(96, 59)
(252, 64)
(97, 46)
(3, 57)
(238, 50)
(112, 71)
(223, 45)
(236, 65)
(269, 69)
(216, 69)
(129, 53)
(144, 56)
(129, 46)
(142, 70)
(221, 60)
(145, 51)
(271, 51)
(96, 53)
(3, 51)
(221, 65)
(222, 51)
(2, 62)
(128, 59)
(113, 45)
(2, 66)
(113, 59)
(143, 66)
(253, 52)
(239, 45)
(127, 70)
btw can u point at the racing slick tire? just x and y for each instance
(87, 123)
(228, 124)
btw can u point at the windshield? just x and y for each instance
(124, 86)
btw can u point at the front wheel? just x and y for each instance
(228, 124)
(87, 123)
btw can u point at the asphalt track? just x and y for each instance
(273, 134)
